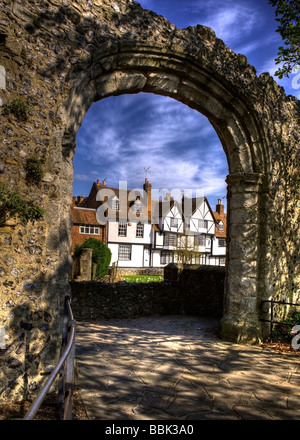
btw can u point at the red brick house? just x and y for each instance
(219, 244)
(85, 224)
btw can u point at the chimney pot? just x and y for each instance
(220, 207)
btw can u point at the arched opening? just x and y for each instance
(139, 138)
(131, 138)
(142, 69)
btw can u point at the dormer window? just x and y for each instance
(115, 204)
(137, 206)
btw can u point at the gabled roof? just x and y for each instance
(190, 206)
(160, 208)
(108, 193)
(84, 216)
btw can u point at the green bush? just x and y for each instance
(282, 332)
(34, 169)
(101, 255)
(12, 205)
(18, 107)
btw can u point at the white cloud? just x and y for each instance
(123, 136)
(82, 177)
(231, 21)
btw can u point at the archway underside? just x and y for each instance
(179, 78)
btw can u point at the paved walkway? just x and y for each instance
(175, 368)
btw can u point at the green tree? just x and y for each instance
(187, 249)
(101, 255)
(288, 16)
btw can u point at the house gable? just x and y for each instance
(201, 220)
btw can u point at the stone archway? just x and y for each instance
(149, 68)
(100, 49)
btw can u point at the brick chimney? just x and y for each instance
(220, 207)
(147, 188)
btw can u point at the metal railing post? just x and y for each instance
(66, 362)
(272, 321)
(69, 372)
(272, 316)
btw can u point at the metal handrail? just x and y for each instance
(67, 361)
(272, 321)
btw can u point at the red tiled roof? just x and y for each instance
(122, 194)
(83, 216)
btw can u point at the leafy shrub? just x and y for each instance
(18, 107)
(13, 205)
(101, 255)
(34, 170)
(282, 332)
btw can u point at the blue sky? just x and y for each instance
(121, 136)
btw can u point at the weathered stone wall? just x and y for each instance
(56, 59)
(94, 300)
(198, 291)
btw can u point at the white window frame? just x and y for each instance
(170, 240)
(166, 257)
(139, 230)
(221, 242)
(174, 222)
(122, 229)
(89, 230)
(115, 204)
(202, 224)
(137, 207)
(124, 253)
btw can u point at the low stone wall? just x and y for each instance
(197, 290)
(93, 300)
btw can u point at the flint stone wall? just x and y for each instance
(58, 57)
(197, 290)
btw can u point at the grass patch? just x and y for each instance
(143, 278)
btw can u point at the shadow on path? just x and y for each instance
(176, 368)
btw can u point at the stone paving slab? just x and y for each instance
(176, 368)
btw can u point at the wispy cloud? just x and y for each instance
(122, 136)
(232, 21)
